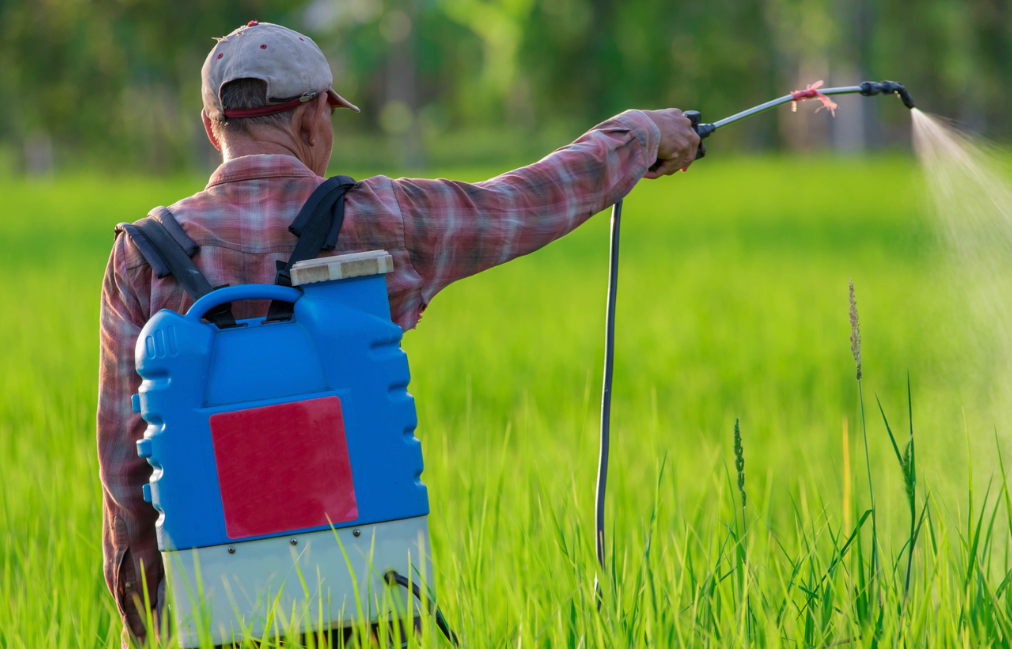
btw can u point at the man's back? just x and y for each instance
(438, 231)
(240, 221)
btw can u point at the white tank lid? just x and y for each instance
(355, 264)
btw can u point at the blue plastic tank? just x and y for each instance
(280, 428)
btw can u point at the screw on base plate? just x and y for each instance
(231, 550)
(357, 532)
(294, 541)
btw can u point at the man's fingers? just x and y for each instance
(667, 168)
(659, 171)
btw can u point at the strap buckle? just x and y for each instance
(283, 277)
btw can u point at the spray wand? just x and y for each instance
(866, 89)
(704, 130)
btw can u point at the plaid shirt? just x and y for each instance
(438, 231)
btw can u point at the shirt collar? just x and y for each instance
(252, 167)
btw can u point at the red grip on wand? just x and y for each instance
(812, 92)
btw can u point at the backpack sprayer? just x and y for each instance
(867, 89)
(286, 470)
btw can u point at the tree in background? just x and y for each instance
(116, 82)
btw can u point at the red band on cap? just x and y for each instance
(273, 109)
(263, 110)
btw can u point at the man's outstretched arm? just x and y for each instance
(453, 229)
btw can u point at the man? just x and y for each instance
(267, 103)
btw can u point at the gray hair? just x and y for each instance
(244, 94)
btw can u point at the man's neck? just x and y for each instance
(242, 146)
(271, 142)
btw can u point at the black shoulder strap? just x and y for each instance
(167, 248)
(317, 226)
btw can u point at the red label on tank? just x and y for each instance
(283, 467)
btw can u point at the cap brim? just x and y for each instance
(337, 101)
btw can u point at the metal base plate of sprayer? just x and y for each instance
(235, 590)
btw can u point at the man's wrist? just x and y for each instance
(646, 131)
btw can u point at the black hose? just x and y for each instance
(609, 362)
(393, 577)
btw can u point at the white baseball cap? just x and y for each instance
(291, 64)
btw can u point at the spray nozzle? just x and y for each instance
(870, 88)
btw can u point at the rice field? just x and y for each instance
(733, 304)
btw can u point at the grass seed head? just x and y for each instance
(909, 477)
(739, 461)
(855, 331)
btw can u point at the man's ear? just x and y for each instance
(209, 130)
(312, 115)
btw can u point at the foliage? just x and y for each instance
(117, 81)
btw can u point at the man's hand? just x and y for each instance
(679, 141)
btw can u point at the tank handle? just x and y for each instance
(241, 292)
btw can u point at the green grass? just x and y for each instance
(732, 303)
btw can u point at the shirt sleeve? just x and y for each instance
(129, 544)
(453, 229)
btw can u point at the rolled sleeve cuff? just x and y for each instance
(646, 132)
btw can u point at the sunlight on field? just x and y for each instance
(732, 303)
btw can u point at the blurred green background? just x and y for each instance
(733, 291)
(115, 83)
